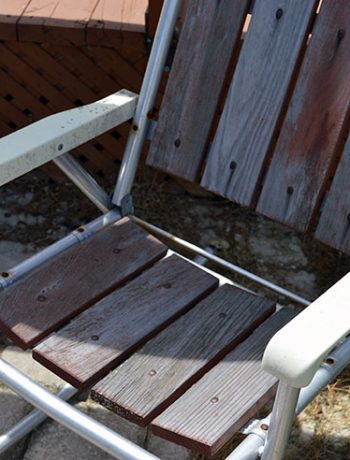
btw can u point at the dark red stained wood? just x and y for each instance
(60, 289)
(275, 39)
(315, 122)
(154, 377)
(107, 333)
(61, 20)
(10, 13)
(208, 39)
(207, 416)
(334, 224)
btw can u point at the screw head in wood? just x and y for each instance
(95, 337)
(5, 274)
(177, 143)
(279, 13)
(290, 190)
(60, 147)
(152, 372)
(41, 298)
(233, 165)
(214, 399)
(264, 426)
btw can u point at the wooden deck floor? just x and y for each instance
(78, 21)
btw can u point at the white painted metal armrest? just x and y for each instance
(50, 137)
(295, 353)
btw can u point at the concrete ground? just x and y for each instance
(35, 212)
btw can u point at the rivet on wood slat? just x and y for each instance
(279, 13)
(95, 337)
(152, 372)
(290, 190)
(340, 35)
(177, 143)
(233, 165)
(214, 400)
(41, 298)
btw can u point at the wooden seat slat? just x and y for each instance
(213, 409)
(154, 377)
(208, 39)
(334, 224)
(275, 39)
(99, 339)
(315, 124)
(45, 299)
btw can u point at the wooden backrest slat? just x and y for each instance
(273, 44)
(11, 11)
(209, 36)
(334, 224)
(314, 128)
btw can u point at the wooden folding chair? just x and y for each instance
(160, 340)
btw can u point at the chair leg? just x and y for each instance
(282, 417)
(71, 418)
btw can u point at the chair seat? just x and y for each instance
(160, 340)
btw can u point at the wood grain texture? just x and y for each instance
(276, 36)
(154, 377)
(62, 20)
(10, 13)
(47, 298)
(107, 333)
(212, 410)
(315, 124)
(334, 224)
(208, 39)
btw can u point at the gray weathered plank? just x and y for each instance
(154, 377)
(63, 287)
(315, 124)
(212, 410)
(99, 339)
(334, 224)
(209, 36)
(247, 128)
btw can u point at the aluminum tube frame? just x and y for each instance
(252, 445)
(82, 233)
(84, 181)
(31, 421)
(221, 262)
(81, 424)
(146, 100)
(282, 418)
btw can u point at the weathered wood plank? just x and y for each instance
(62, 20)
(276, 35)
(315, 124)
(107, 333)
(212, 410)
(208, 39)
(10, 13)
(334, 224)
(60, 289)
(154, 377)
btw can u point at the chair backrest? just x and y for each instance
(281, 141)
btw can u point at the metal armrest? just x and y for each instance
(295, 353)
(50, 137)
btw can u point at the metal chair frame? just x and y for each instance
(266, 438)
